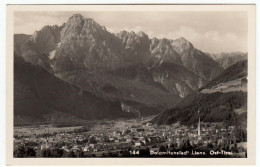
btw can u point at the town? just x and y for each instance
(133, 138)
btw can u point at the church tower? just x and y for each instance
(199, 125)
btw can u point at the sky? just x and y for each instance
(212, 32)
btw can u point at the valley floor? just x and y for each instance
(128, 138)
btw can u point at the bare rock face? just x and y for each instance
(36, 48)
(73, 27)
(134, 41)
(175, 78)
(181, 45)
(136, 47)
(195, 60)
(181, 53)
(162, 50)
(46, 39)
(78, 27)
(86, 45)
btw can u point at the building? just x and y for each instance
(45, 145)
(199, 125)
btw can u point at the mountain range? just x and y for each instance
(120, 75)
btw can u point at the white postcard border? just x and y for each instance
(133, 161)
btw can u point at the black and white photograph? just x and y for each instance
(151, 84)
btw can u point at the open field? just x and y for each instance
(241, 110)
(98, 127)
(230, 86)
(41, 129)
(122, 124)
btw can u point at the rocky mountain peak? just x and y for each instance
(183, 41)
(45, 40)
(181, 45)
(154, 39)
(162, 49)
(78, 26)
(132, 33)
(130, 39)
(76, 19)
(121, 34)
(139, 34)
(142, 34)
(91, 24)
(45, 32)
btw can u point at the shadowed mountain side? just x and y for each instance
(214, 107)
(38, 93)
(122, 88)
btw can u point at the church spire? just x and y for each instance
(199, 124)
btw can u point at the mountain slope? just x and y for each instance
(214, 107)
(135, 47)
(196, 60)
(86, 45)
(38, 94)
(36, 48)
(237, 71)
(217, 101)
(225, 60)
